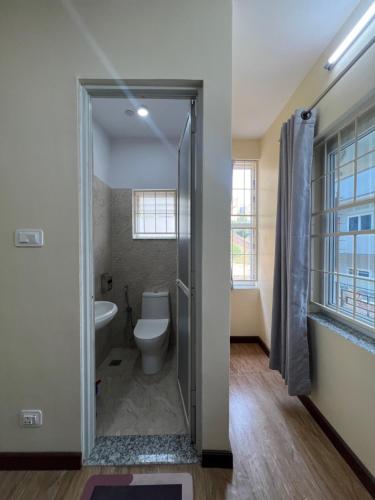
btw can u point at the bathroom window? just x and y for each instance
(244, 224)
(343, 223)
(154, 214)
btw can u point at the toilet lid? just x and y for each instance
(150, 328)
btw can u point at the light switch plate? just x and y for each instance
(29, 238)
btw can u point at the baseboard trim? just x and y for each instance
(40, 461)
(359, 469)
(220, 459)
(250, 339)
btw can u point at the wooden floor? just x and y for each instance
(279, 451)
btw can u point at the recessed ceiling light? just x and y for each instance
(129, 112)
(352, 36)
(142, 111)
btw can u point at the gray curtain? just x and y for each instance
(289, 343)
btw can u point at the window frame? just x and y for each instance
(246, 284)
(328, 259)
(153, 236)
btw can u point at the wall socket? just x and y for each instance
(31, 418)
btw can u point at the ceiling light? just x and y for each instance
(142, 111)
(351, 37)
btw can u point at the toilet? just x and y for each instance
(151, 333)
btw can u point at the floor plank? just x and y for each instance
(279, 451)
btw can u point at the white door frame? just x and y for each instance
(162, 89)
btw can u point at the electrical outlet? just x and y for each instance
(31, 418)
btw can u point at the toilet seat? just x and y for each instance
(150, 328)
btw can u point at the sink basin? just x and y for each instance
(104, 313)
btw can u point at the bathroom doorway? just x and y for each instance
(140, 161)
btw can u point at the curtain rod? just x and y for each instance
(305, 115)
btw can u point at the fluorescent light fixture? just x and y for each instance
(351, 37)
(142, 111)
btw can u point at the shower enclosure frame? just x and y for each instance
(132, 89)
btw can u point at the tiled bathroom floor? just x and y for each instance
(131, 403)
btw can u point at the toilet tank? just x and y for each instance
(155, 305)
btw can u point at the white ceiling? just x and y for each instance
(166, 118)
(275, 43)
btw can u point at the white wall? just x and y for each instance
(143, 164)
(46, 46)
(342, 370)
(101, 153)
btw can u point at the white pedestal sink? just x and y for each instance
(104, 313)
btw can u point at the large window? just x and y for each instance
(244, 224)
(343, 222)
(154, 214)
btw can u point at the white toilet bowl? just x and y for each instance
(151, 333)
(151, 337)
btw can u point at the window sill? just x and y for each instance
(244, 286)
(357, 338)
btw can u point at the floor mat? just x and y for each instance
(139, 487)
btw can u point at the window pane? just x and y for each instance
(366, 176)
(249, 178)
(245, 220)
(238, 241)
(149, 202)
(250, 265)
(366, 132)
(317, 253)
(346, 188)
(345, 251)
(140, 223)
(318, 224)
(366, 143)
(238, 263)
(350, 219)
(249, 202)
(365, 254)
(161, 223)
(238, 202)
(160, 202)
(343, 265)
(346, 295)
(171, 224)
(332, 145)
(154, 214)
(249, 241)
(331, 289)
(365, 301)
(331, 194)
(238, 178)
(138, 202)
(347, 138)
(149, 223)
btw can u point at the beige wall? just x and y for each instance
(246, 149)
(46, 46)
(246, 317)
(344, 389)
(331, 391)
